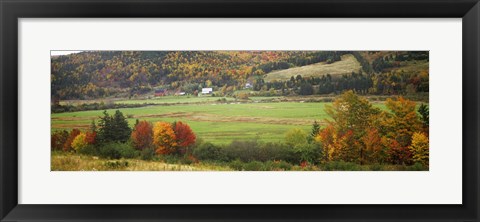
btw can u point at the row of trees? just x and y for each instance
(391, 83)
(162, 137)
(361, 133)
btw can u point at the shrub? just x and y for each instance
(116, 164)
(309, 152)
(236, 165)
(58, 138)
(253, 166)
(79, 142)
(295, 137)
(246, 151)
(274, 151)
(91, 137)
(242, 96)
(115, 150)
(416, 167)
(340, 166)
(147, 153)
(284, 165)
(68, 143)
(208, 151)
(88, 150)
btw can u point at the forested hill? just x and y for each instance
(98, 74)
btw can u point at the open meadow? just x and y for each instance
(218, 123)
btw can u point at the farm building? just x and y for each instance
(180, 93)
(160, 92)
(206, 91)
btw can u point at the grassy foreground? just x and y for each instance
(62, 161)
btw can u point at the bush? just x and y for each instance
(340, 166)
(209, 151)
(416, 167)
(236, 165)
(116, 150)
(89, 150)
(58, 138)
(79, 142)
(147, 153)
(274, 151)
(246, 151)
(116, 164)
(253, 166)
(309, 152)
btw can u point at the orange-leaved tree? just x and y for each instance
(184, 134)
(164, 138)
(58, 139)
(142, 135)
(68, 144)
(399, 126)
(352, 116)
(91, 137)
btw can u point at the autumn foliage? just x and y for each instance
(79, 142)
(142, 135)
(67, 146)
(419, 148)
(363, 134)
(184, 135)
(91, 137)
(58, 139)
(164, 138)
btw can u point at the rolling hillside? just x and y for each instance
(347, 65)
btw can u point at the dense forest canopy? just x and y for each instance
(100, 74)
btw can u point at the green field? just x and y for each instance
(347, 65)
(219, 123)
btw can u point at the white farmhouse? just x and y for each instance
(206, 91)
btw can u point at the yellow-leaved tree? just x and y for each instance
(79, 142)
(419, 148)
(164, 138)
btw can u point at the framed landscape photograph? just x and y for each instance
(239, 110)
(223, 111)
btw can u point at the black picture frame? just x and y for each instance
(11, 11)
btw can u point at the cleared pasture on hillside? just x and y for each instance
(347, 65)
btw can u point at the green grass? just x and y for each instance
(347, 65)
(63, 161)
(173, 100)
(217, 123)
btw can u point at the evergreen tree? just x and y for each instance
(105, 133)
(315, 129)
(121, 129)
(424, 116)
(113, 128)
(93, 127)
